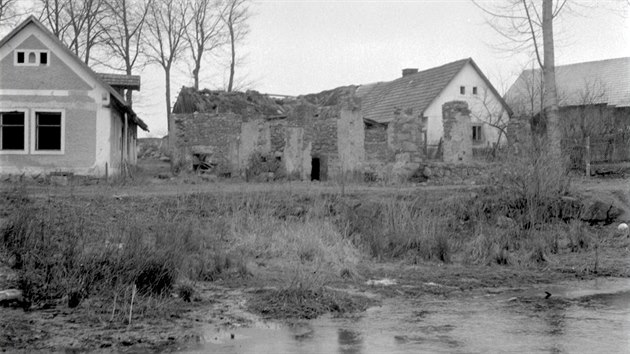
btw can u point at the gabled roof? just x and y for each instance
(117, 97)
(596, 82)
(415, 91)
(128, 82)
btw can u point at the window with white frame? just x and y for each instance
(31, 57)
(12, 132)
(48, 132)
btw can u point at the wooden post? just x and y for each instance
(587, 156)
(106, 173)
(125, 144)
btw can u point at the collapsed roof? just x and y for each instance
(248, 103)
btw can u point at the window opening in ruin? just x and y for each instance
(48, 131)
(315, 169)
(12, 130)
(476, 133)
(462, 90)
(474, 90)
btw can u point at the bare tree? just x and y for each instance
(77, 23)
(8, 11)
(492, 113)
(520, 23)
(235, 18)
(123, 34)
(54, 14)
(205, 32)
(86, 17)
(167, 24)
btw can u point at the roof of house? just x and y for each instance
(130, 82)
(117, 97)
(415, 91)
(596, 82)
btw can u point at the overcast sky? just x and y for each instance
(305, 46)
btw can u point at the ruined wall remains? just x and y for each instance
(215, 136)
(255, 136)
(457, 143)
(376, 146)
(406, 141)
(442, 173)
(350, 139)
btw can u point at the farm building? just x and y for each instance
(383, 130)
(594, 101)
(56, 114)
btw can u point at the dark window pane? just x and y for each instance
(12, 118)
(48, 118)
(20, 57)
(48, 138)
(43, 58)
(12, 138)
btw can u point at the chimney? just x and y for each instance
(409, 71)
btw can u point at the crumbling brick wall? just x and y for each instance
(457, 143)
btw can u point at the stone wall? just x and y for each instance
(376, 146)
(405, 137)
(350, 139)
(443, 173)
(214, 135)
(457, 143)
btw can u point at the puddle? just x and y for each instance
(585, 317)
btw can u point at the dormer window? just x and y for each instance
(28, 57)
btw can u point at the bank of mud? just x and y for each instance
(252, 257)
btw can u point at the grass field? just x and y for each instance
(140, 262)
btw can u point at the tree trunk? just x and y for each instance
(196, 77)
(232, 63)
(169, 124)
(550, 98)
(129, 93)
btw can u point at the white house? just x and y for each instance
(424, 92)
(56, 114)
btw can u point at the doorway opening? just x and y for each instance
(315, 169)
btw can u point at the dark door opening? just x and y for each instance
(315, 171)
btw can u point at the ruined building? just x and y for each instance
(382, 131)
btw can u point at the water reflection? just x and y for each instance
(590, 322)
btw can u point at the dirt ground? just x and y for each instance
(223, 303)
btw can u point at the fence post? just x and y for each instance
(587, 156)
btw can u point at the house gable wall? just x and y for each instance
(469, 78)
(57, 75)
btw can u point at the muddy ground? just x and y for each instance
(226, 303)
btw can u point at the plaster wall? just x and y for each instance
(480, 104)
